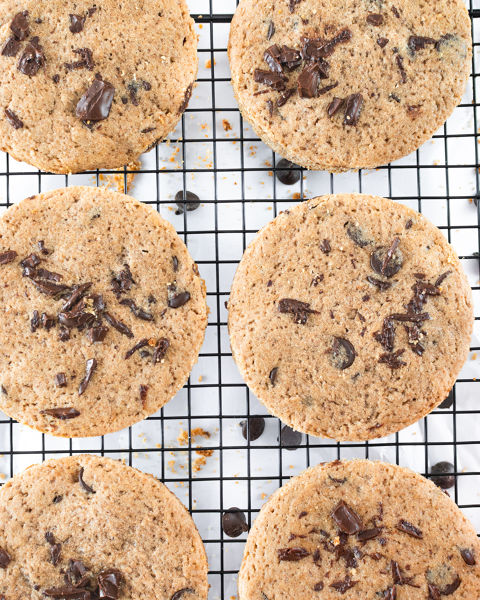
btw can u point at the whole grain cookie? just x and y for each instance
(348, 84)
(350, 317)
(361, 530)
(87, 86)
(104, 312)
(87, 527)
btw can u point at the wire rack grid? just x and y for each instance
(215, 154)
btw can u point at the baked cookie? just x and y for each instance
(87, 86)
(104, 312)
(350, 317)
(348, 84)
(361, 530)
(86, 527)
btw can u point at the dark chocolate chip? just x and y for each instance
(401, 68)
(284, 97)
(62, 413)
(160, 350)
(178, 300)
(97, 333)
(118, 325)
(143, 389)
(60, 380)
(109, 582)
(11, 47)
(309, 80)
(418, 42)
(32, 59)
(343, 585)
(387, 261)
(7, 257)
(299, 310)
(468, 556)
(292, 554)
(35, 321)
(335, 105)
(177, 595)
(57, 499)
(19, 26)
(441, 279)
(342, 353)
(392, 359)
(141, 344)
(382, 42)
(375, 19)
(274, 80)
(4, 558)
(356, 234)
(346, 519)
(287, 172)
(409, 529)
(84, 485)
(186, 201)
(13, 119)
(186, 99)
(353, 109)
(139, 312)
(234, 522)
(271, 30)
(318, 587)
(442, 474)
(91, 365)
(289, 438)
(252, 428)
(77, 23)
(381, 285)
(86, 60)
(273, 375)
(368, 534)
(96, 102)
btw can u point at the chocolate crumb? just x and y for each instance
(84, 485)
(401, 68)
(77, 23)
(7, 257)
(382, 42)
(292, 554)
(91, 365)
(4, 558)
(118, 325)
(325, 246)
(11, 47)
(410, 529)
(375, 19)
(60, 380)
(335, 105)
(139, 312)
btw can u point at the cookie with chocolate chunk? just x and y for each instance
(92, 85)
(342, 84)
(86, 527)
(350, 317)
(368, 530)
(104, 312)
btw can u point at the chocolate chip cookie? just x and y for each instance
(86, 527)
(348, 84)
(350, 317)
(87, 86)
(360, 530)
(104, 312)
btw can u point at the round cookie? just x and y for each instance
(87, 86)
(343, 84)
(96, 528)
(364, 529)
(350, 317)
(104, 312)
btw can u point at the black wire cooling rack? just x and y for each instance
(237, 472)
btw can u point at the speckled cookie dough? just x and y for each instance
(103, 312)
(360, 530)
(350, 317)
(92, 85)
(348, 84)
(86, 527)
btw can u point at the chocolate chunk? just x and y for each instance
(4, 558)
(346, 519)
(51, 289)
(7, 257)
(64, 592)
(326, 88)
(234, 522)
(356, 234)
(35, 321)
(32, 59)
(411, 317)
(342, 353)
(11, 47)
(317, 49)
(375, 19)
(287, 172)
(77, 294)
(418, 42)
(299, 310)
(289, 438)
(401, 68)
(392, 359)
(86, 61)
(308, 80)
(273, 375)
(292, 554)
(284, 97)
(289, 57)
(368, 534)
(271, 57)
(62, 413)
(381, 285)
(109, 582)
(186, 201)
(141, 344)
(91, 365)
(353, 109)
(77, 23)
(85, 486)
(47, 321)
(335, 105)
(325, 246)
(177, 595)
(343, 585)
(19, 26)
(410, 529)
(57, 499)
(271, 30)
(122, 282)
(160, 350)
(186, 99)
(143, 389)
(177, 300)
(96, 102)
(274, 80)
(118, 325)
(97, 333)
(387, 261)
(139, 312)
(60, 380)
(441, 279)
(318, 587)
(55, 551)
(442, 475)
(13, 119)
(31, 261)
(252, 428)
(468, 556)
(48, 275)
(75, 574)
(382, 42)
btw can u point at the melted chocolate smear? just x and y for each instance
(89, 371)
(287, 172)
(86, 62)
(177, 595)
(118, 325)
(19, 26)
(346, 519)
(13, 119)
(381, 285)
(7, 257)
(4, 558)
(141, 344)
(299, 310)
(274, 80)
(61, 380)
(292, 554)
(356, 234)
(409, 529)
(11, 47)
(375, 19)
(85, 486)
(160, 350)
(273, 375)
(139, 312)
(77, 22)
(418, 42)
(353, 109)
(109, 582)
(234, 522)
(342, 353)
(252, 428)
(96, 102)
(392, 359)
(62, 413)
(343, 585)
(289, 438)
(32, 59)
